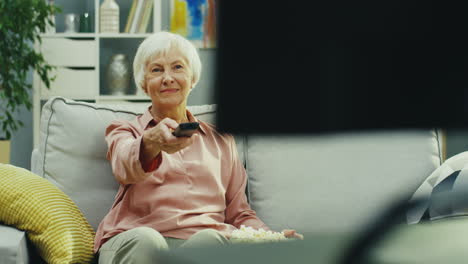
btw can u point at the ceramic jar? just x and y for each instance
(118, 75)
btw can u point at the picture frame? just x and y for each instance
(194, 20)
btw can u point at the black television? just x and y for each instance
(332, 66)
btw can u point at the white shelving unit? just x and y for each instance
(79, 58)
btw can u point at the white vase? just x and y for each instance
(109, 17)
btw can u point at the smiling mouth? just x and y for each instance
(170, 90)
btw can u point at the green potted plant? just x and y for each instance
(21, 23)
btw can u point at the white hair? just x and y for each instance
(160, 43)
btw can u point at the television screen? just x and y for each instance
(326, 66)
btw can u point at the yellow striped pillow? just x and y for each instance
(50, 218)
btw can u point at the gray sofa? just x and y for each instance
(316, 184)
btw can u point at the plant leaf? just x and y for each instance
(20, 25)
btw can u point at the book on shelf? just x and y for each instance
(137, 17)
(143, 25)
(130, 16)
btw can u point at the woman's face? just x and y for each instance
(168, 79)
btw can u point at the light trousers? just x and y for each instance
(141, 245)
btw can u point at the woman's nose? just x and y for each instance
(167, 78)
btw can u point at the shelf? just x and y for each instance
(122, 97)
(106, 36)
(124, 35)
(80, 98)
(93, 35)
(105, 98)
(82, 58)
(69, 35)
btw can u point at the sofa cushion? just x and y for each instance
(13, 246)
(72, 150)
(50, 218)
(336, 182)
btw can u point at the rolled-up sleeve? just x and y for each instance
(124, 143)
(238, 211)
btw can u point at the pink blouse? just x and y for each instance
(199, 187)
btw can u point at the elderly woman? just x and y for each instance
(174, 191)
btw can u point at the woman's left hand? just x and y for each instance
(291, 233)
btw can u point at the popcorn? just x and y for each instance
(247, 234)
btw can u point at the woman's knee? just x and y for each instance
(206, 237)
(138, 245)
(209, 232)
(146, 238)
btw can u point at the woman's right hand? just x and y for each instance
(160, 138)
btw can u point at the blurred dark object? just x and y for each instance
(360, 250)
(341, 65)
(390, 240)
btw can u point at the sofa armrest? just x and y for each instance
(13, 246)
(35, 161)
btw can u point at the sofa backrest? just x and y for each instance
(336, 182)
(72, 150)
(327, 183)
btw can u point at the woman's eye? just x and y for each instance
(178, 67)
(156, 70)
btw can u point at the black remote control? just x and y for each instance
(186, 129)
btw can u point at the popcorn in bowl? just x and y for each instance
(247, 234)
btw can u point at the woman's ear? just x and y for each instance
(192, 83)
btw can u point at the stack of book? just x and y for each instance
(139, 16)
